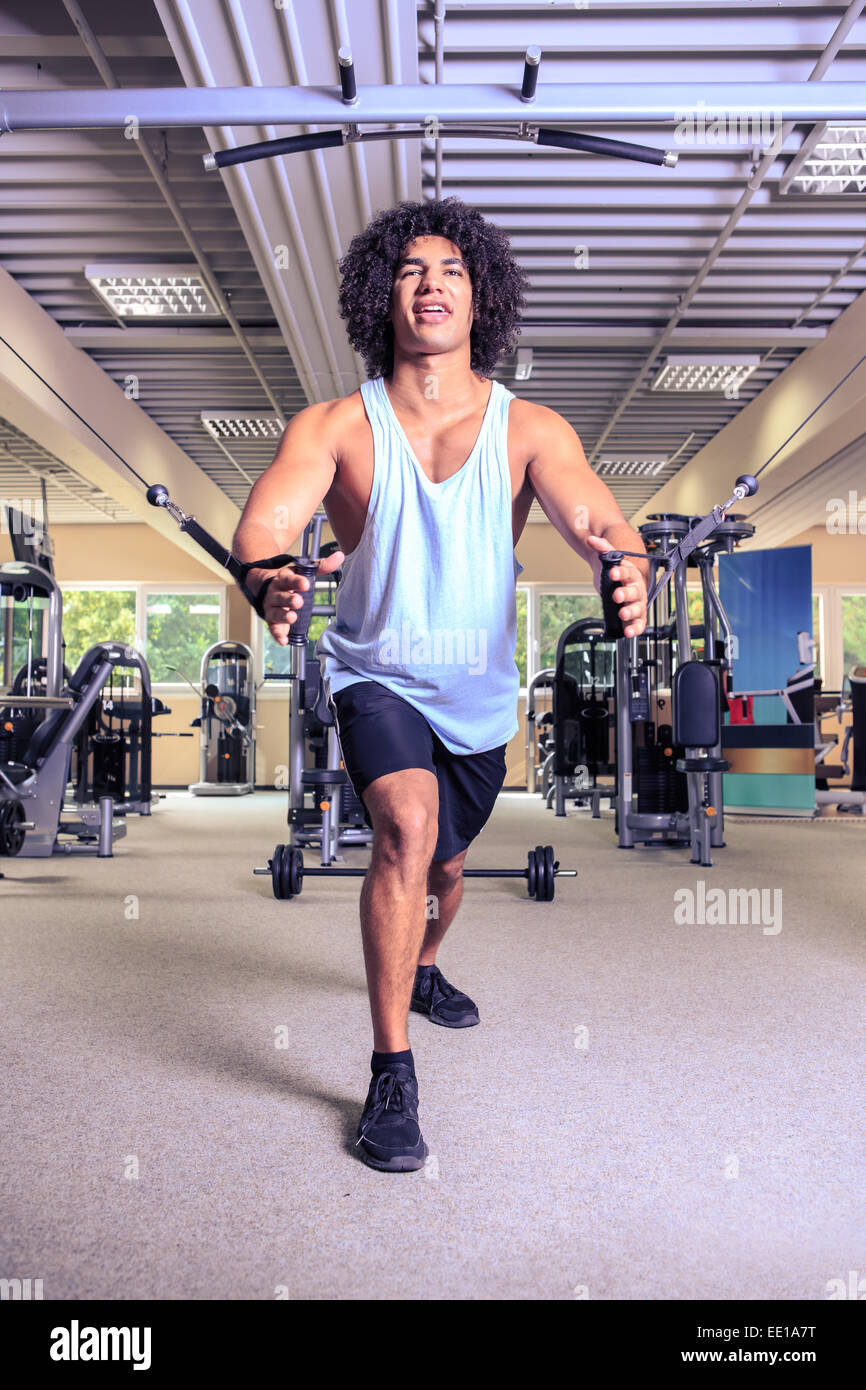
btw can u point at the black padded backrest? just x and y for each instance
(86, 667)
(695, 699)
(43, 737)
(315, 699)
(857, 682)
(803, 701)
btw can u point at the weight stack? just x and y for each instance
(661, 790)
(351, 806)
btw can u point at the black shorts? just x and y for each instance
(380, 733)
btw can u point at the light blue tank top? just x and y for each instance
(427, 604)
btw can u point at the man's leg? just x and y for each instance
(445, 885)
(404, 809)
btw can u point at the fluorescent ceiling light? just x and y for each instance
(523, 369)
(837, 164)
(158, 608)
(223, 427)
(630, 465)
(203, 608)
(722, 374)
(152, 291)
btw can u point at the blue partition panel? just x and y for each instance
(767, 595)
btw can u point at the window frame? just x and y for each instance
(145, 591)
(841, 591)
(535, 590)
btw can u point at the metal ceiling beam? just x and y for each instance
(106, 72)
(565, 335)
(662, 103)
(170, 339)
(721, 337)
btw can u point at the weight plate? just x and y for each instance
(540, 875)
(286, 866)
(530, 873)
(276, 870)
(550, 881)
(296, 871)
(11, 834)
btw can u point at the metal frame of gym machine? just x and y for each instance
(219, 722)
(330, 832)
(39, 780)
(642, 663)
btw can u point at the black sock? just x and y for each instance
(427, 967)
(382, 1061)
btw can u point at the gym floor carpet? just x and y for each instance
(705, 1141)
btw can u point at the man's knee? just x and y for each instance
(447, 871)
(404, 808)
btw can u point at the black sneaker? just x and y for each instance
(388, 1133)
(434, 996)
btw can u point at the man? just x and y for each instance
(427, 474)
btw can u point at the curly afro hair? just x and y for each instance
(369, 266)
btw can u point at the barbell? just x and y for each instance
(287, 871)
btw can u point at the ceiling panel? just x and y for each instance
(610, 246)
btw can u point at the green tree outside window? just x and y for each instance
(96, 615)
(853, 632)
(556, 613)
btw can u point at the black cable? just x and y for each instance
(145, 485)
(65, 402)
(809, 416)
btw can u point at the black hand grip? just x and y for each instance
(300, 627)
(612, 624)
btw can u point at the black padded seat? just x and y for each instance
(702, 764)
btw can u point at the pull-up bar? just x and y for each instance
(540, 135)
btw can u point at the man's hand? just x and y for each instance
(631, 596)
(284, 596)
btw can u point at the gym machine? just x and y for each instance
(336, 816)
(676, 785)
(74, 747)
(113, 749)
(806, 702)
(854, 797)
(659, 678)
(539, 750)
(38, 731)
(227, 722)
(583, 717)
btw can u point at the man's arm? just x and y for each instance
(280, 505)
(585, 512)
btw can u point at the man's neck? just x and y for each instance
(438, 385)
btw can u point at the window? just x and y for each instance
(96, 615)
(818, 634)
(520, 647)
(22, 636)
(853, 632)
(178, 627)
(556, 612)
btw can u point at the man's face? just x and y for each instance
(431, 303)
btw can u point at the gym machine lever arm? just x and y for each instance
(670, 561)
